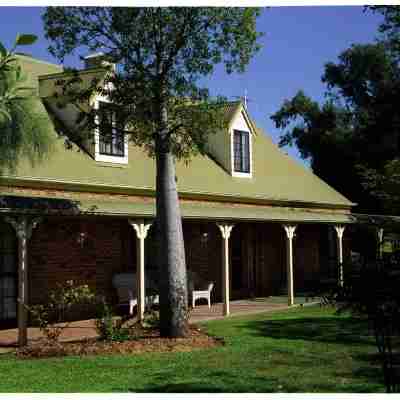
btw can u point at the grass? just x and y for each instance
(300, 350)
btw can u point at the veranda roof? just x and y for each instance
(146, 209)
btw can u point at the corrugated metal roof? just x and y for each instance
(33, 68)
(276, 177)
(189, 209)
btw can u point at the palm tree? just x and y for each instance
(25, 129)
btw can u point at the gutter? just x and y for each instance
(43, 183)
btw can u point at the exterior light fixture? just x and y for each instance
(204, 237)
(81, 239)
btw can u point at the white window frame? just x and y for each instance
(231, 132)
(104, 157)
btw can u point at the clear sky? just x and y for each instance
(298, 41)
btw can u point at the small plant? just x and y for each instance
(151, 319)
(104, 321)
(109, 328)
(51, 316)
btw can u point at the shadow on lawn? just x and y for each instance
(362, 376)
(214, 382)
(327, 329)
(231, 383)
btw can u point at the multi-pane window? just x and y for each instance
(111, 136)
(8, 274)
(241, 151)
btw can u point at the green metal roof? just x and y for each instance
(146, 209)
(276, 176)
(33, 68)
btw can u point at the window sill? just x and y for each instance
(112, 159)
(242, 174)
(110, 165)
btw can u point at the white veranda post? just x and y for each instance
(380, 242)
(339, 240)
(23, 229)
(290, 232)
(226, 233)
(141, 228)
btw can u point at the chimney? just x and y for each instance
(97, 60)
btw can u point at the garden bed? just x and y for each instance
(142, 340)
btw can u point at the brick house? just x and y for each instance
(255, 222)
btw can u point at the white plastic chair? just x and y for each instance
(203, 294)
(124, 283)
(149, 301)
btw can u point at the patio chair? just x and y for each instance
(125, 285)
(203, 294)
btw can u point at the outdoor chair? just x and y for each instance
(203, 294)
(125, 285)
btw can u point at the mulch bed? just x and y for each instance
(147, 340)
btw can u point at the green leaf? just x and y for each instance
(18, 72)
(3, 50)
(6, 116)
(25, 39)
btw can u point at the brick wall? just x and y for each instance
(204, 254)
(55, 255)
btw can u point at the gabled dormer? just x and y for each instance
(110, 143)
(233, 148)
(109, 148)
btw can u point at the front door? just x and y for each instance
(8, 276)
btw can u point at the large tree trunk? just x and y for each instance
(173, 291)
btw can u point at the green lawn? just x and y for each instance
(301, 350)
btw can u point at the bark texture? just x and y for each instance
(173, 290)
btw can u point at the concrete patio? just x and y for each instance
(85, 329)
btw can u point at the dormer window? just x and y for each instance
(241, 151)
(111, 144)
(111, 136)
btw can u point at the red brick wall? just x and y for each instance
(204, 254)
(306, 256)
(56, 256)
(270, 271)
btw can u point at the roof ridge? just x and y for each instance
(71, 72)
(37, 60)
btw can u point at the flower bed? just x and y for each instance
(141, 340)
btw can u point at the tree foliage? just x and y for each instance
(26, 131)
(390, 27)
(354, 134)
(160, 53)
(370, 291)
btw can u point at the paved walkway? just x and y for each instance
(238, 307)
(79, 330)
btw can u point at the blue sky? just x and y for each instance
(298, 41)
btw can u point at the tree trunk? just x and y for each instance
(173, 291)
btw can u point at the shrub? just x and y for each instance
(51, 316)
(372, 291)
(109, 328)
(151, 319)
